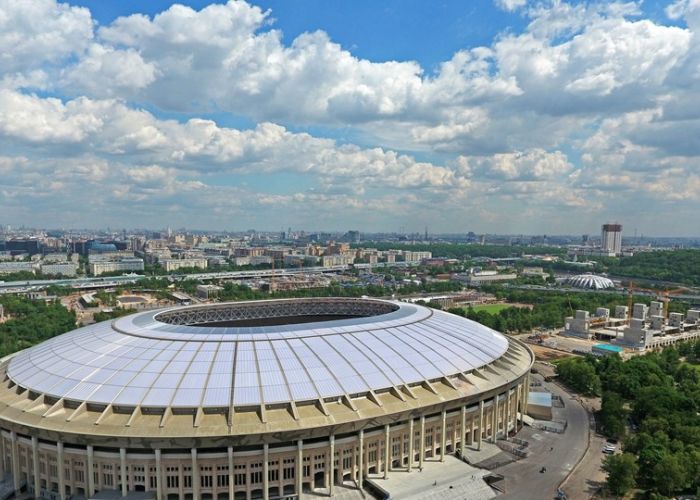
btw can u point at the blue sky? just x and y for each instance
(428, 32)
(504, 116)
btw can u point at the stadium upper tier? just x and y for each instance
(238, 355)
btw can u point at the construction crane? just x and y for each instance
(665, 297)
(661, 295)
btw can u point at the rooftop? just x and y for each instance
(225, 355)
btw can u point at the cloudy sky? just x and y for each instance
(505, 116)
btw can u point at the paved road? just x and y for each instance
(559, 453)
(588, 477)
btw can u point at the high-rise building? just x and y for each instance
(611, 238)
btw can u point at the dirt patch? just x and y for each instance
(543, 353)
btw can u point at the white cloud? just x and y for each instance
(39, 31)
(589, 99)
(533, 165)
(106, 72)
(510, 5)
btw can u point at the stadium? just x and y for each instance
(263, 399)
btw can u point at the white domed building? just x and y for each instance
(261, 399)
(590, 281)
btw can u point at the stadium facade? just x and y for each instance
(260, 399)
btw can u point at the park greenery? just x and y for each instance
(673, 266)
(117, 312)
(652, 402)
(233, 291)
(31, 322)
(677, 266)
(29, 276)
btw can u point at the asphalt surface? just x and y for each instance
(558, 453)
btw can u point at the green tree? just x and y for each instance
(612, 415)
(580, 375)
(622, 470)
(668, 475)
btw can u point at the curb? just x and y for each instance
(588, 445)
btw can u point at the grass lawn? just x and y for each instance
(490, 308)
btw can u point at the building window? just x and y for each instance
(239, 477)
(222, 480)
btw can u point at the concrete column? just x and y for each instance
(266, 472)
(2, 456)
(421, 448)
(61, 470)
(91, 471)
(331, 467)
(230, 472)
(300, 467)
(159, 476)
(181, 481)
(522, 404)
(443, 437)
(514, 409)
(195, 474)
(463, 431)
(15, 461)
(387, 451)
(506, 415)
(122, 463)
(472, 426)
(516, 394)
(35, 467)
(527, 394)
(481, 424)
(411, 440)
(360, 468)
(494, 419)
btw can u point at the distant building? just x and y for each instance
(410, 256)
(55, 257)
(109, 266)
(174, 264)
(611, 238)
(60, 269)
(30, 246)
(480, 278)
(16, 267)
(208, 291)
(110, 255)
(534, 272)
(337, 260)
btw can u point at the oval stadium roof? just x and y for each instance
(590, 281)
(201, 356)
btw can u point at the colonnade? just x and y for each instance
(58, 469)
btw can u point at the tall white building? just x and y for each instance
(611, 238)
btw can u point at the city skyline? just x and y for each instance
(506, 117)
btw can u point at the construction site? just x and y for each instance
(636, 327)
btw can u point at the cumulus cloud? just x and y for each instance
(533, 165)
(588, 99)
(40, 31)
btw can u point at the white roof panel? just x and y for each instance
(140, 359)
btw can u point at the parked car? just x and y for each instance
(609, 449)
